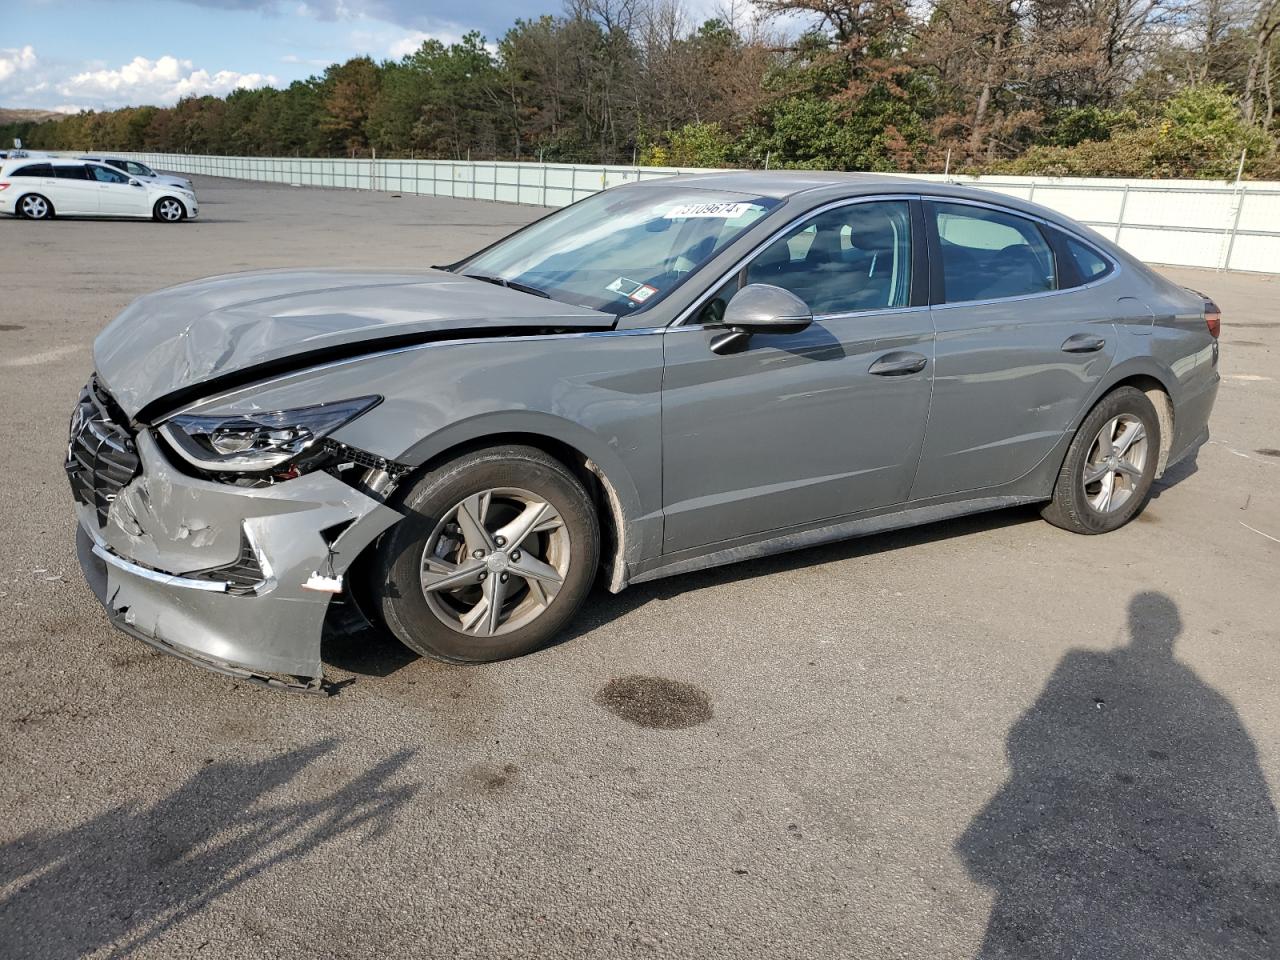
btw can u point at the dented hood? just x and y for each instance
(178, 338)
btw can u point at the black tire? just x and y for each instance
(24, 202)
(395, 581)
(157, 214)
(1072, 507)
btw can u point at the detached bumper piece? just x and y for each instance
(101, 456)
(95, 561)
(211, 572)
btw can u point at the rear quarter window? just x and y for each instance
(34, 170)
(1089, 263)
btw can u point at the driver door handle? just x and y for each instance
(1083, 343)
(900, 363)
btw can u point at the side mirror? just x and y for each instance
(134, 183)
(760, 308)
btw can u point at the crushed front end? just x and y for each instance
(233, 572)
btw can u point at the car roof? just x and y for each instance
(778, 184)
(821, 186)
(19, 162)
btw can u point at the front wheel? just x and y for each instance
(497, 551)
(168, 210)
(1107, 474)
(35, 207)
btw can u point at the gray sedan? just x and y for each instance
(664, 377)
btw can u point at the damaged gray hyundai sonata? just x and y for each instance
(663, 377)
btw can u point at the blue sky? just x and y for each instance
(99, 54)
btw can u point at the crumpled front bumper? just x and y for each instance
(153, 565)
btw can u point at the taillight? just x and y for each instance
(1212, 315)
(1213, 318)
(4, 184)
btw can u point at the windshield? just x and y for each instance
(621, 250)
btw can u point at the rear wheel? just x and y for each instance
(1107, 474)
(168, 210)
(35, 207)
(496, 553)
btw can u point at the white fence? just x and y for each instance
(1198, 223)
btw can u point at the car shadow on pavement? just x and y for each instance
(352, 644)
(1180, 471)
(124, 878)
(1136, 821)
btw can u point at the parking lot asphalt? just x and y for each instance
(983, 738)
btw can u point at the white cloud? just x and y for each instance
(14, 61)
(410, 43)
(162, 81)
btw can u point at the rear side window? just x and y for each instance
(989, 254)
(71, 173)
(1089, 263)
(34, 170)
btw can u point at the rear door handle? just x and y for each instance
(898, 364)
(1083, 343)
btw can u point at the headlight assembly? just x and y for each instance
(248, 443)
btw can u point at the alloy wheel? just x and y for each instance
(170, 210)
(36, 208)
(1113, 470)
(495, 562)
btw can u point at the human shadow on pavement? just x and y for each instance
(1136, 822)
(120, 880)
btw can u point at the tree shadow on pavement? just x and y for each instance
(121, 880)
(1136, 821)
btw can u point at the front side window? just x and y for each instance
(620, 251)
(138, 170)
(106, 175)
(855, 257)
(988, 254)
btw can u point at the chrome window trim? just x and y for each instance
(1115, 270)
(681, 320)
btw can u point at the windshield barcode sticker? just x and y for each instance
(721, 210)
(632, 289)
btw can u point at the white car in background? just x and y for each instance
(39, 189)
(140, 171)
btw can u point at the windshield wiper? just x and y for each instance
(509, 284)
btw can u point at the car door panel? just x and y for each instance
(794, 429)
(117, 197)
(122, 200)
(1005, 389)
(801, 427)
(74, 195)
(1011, 375)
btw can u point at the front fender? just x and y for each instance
(640, 531)
(599, 393)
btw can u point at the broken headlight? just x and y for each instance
(239, 442)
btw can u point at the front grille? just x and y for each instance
(101, 456)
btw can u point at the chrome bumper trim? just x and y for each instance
(168, 579)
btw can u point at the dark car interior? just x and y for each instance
(854, 258)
